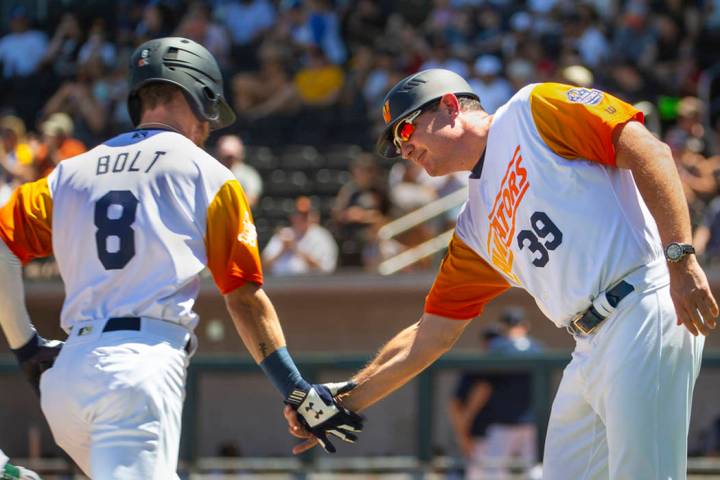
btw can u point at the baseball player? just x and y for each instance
(573, 200)
(8, 471)
(132, 223)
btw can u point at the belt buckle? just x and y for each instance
(577, 327)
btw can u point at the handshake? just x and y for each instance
(313, 412)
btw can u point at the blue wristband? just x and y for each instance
(282, 372)
(28, 350)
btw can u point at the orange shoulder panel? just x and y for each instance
(26, 221)
(464, 285)
(579, 122)
(231, 240)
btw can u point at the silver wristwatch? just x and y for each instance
(675, 252)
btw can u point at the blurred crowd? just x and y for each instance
(314, 73)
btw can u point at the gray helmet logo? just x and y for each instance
(413, 92)
(189, 66)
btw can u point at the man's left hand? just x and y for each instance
(694, 302)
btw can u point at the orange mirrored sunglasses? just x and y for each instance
(404, 129)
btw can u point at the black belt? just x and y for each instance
(116, 324)
(588, 322)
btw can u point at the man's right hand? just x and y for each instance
(694, 302)
(36, 356)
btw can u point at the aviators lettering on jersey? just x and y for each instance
(502, 217)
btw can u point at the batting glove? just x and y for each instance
(320, 414)
(36, 356)
(11, 472)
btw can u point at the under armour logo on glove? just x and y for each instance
(309, 408)
(331, 417)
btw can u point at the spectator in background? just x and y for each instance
(319, 82)
(231, 153)
(410, 187)
(520, 72)
(157, 21)
(590, 40)
(363, 23)
(61, 56)
(22, 49)
(360, 207)
(269, 90)
(303, 247)
(635, 39)
(469, 412)
(689, 126)
(706, 237)
(16, 156)
(441, 57)
(98, 48)
(197, 25)
(246, 21)
(511, 434)
(77, 98)
(57, 144)
(321, 29)
(492, 88)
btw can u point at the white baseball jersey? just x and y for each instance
(547, 209)
(149, 191)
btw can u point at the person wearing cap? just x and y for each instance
(471, 408)
(572, 199)
(501, 403)
(58, 143)
(231, 153)
(302, 248)
(489, 84)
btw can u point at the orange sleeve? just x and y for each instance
(26, 221)
(579, 122)
(231, 240)
(464, 285)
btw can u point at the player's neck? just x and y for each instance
(160, 125)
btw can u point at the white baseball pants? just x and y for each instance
(622, 410)
(114, 400)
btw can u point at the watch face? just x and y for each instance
(674, 251)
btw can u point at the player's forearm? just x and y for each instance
(402, 358)
(256, 321)
(14, 317)
(656, 177)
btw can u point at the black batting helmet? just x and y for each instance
(186, 64)
(414, 92)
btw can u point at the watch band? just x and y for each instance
(674, 252)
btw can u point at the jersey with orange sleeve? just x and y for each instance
(150, 191)
(547, 211)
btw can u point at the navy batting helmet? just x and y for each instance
(412, 93)
(186, 64)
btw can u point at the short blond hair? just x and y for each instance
(156, 93)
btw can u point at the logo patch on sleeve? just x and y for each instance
(585, 95)
(248, 236)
